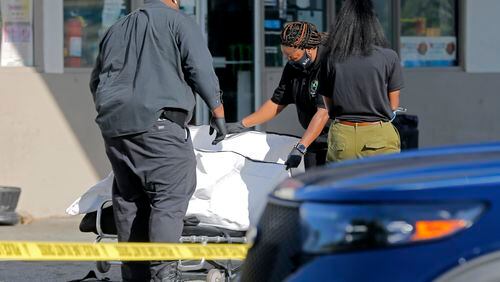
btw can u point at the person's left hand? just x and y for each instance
(236, 127)
(294, 159)
(219, 126)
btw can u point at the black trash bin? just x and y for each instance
(9, 196)
(407, 126)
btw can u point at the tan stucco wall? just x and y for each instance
(453, 106)
(52, 149)
(49, 145)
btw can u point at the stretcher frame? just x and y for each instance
(217, 270)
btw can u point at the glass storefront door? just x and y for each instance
(228, 25)
(230, 39)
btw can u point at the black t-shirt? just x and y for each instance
(300, 88)
(359, 86)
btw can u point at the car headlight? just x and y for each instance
(335, 227)
(286, 189)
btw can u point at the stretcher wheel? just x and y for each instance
(214, 275)
(103, 266)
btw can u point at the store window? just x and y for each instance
(16, 33)
(85, 21)
(428, 33)
(189, 8)
(383, 9)
(278, 12)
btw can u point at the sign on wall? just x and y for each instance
(17, 33)
(426, 51)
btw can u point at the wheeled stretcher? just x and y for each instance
(233, 181)
(101, 223)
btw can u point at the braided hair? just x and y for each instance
(301, 35)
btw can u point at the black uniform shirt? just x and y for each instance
(359, 86)
(153, 58)
(300, 88)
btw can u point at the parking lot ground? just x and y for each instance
(51, 229)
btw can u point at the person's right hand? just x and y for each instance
(236, 127)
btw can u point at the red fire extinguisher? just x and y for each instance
(73, 30)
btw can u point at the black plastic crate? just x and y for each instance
(407, 126)
(9, 196)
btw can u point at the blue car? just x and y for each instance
(427, 215)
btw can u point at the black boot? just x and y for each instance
(165, 272)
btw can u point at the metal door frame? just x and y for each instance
(201, 111)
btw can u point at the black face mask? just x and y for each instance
(303, 63)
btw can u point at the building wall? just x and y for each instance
(454, 105)
(482, 38)
(52, 149)
(49, 144)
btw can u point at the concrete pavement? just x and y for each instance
(50, 229)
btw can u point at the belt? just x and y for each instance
(177, 116)
(363, 123)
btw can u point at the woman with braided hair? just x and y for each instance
(301, 44)
(361, 81)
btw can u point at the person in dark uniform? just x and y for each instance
(149, 65)
(361, 82)
(301, 44)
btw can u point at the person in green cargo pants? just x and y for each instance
(361, 82)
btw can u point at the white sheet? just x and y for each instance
(233, 178)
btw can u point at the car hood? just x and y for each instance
(432, 174)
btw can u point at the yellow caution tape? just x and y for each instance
(62, 251)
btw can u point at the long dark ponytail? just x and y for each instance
(355, 32)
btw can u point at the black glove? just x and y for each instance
(236, 127)
(294, 159)
(219, 125)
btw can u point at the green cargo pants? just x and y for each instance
(352, 142)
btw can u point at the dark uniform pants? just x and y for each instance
(155, 176)
(315, 155)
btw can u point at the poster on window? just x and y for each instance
(421, 51)
(17, 33)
